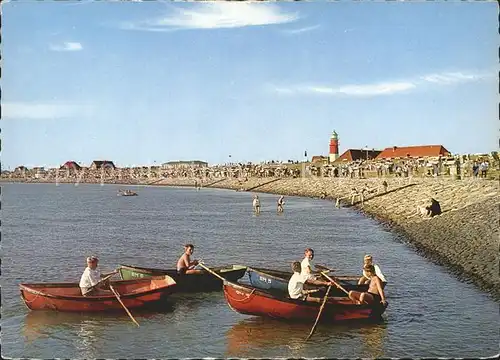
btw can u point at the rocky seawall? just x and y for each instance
(464, 238)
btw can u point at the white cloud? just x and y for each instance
(301, 30)
(216, 15)
(67, 46)
(451, 78)
(37, 110)
(385, 88)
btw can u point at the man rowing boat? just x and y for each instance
(297, 281)
(91, 283)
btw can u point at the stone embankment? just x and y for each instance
(465, 237)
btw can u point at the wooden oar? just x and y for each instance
(319, 314)
(333, 281)
(120, 300)
(211, 271)
(102, 280)
(324, 268)
(340, 287)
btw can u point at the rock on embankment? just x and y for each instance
(465, 237)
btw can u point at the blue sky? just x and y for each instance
(146, 82)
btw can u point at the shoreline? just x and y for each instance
(463, 239)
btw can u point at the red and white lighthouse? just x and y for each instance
(334, 147)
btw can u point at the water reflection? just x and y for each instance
(261, 333)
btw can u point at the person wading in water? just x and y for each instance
(281, 202)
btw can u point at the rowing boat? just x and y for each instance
(68, 297)
(277, 281)
(201, 282)
(249, 300)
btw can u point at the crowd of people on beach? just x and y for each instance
(464, 166)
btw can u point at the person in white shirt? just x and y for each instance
(90, 282)
(368, 260)
(307, 264)
(296, 285)
(256, 204)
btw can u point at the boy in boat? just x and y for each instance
(185, 265)
(297, 281)
(281, 202)
(307, 264)
(368, 260)
(375, 293)
(91, 283)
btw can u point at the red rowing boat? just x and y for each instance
(68, 297)
(252, 301)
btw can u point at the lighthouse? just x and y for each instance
(334, 147)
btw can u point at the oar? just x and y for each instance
(339, 286)
(319, 314)
(102, 280)
(211, 271)
(324, 268)
(336, 284)
(120, 300)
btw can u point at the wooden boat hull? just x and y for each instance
(252, 301)
(277, 281)
(190, 282)
(67, 296)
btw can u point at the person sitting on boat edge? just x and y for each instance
(91, 281)
(368, 260)
(185, 265)
(375, 293)
(307, 264)
(297, 281)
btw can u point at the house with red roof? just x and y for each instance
(413, 152)
(70, 165)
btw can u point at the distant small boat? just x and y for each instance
(68, 297)
(126, 193)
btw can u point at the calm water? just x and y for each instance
(48, 231)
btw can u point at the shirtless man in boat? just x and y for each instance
(91, 283)
(185, 265)
(375, 293)
(297, 281)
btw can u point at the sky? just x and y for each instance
(143, 83)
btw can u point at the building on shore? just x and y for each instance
(413, 152)
(20, 169)
(184, 164)
(320, 159)
(102, 164)
(357, 154)
(70, 165)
